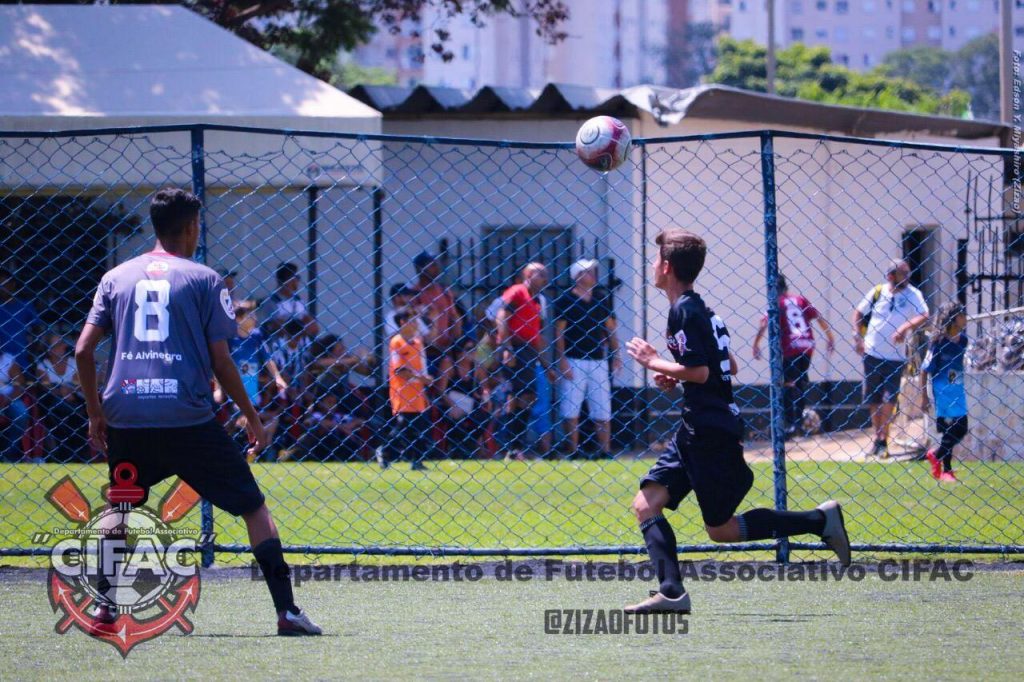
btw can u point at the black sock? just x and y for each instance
(661, 546)
(947, 459)
(275, 571)
(762, 524)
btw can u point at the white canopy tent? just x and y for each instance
(84, 66)
(116, 68)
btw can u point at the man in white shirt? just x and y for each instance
(890, 312)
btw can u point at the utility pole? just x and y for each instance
(1006, 62)
(771, 45)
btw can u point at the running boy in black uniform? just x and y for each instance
(708, 455)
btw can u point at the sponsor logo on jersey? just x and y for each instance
(167, 358)
(677, 342)
(168, 387)
(227, 303)
(157, 268)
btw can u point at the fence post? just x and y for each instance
(644, 321)
(312, 218)
(379, 342)
(771, 273)
(199, 189)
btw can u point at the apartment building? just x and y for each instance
(861, 32)
(610, 43)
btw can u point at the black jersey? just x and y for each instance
(698, 338)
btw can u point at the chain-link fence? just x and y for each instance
(367, 271)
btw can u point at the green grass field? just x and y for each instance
(545, 504)
(492, 630)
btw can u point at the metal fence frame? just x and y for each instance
(766, 139)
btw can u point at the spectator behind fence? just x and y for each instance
(882, 321)
(407, 388)
(332, 364)
(62, 403)
(330, 432)
(13, 411)
(437, 304)
(285, 304)
(795, 316)
(230, 283)
(520, 339)
(944, 365)
(255, 366)
(584, 334)
(19, 321)
(466, 403)
(401, 299)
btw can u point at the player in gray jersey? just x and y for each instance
(171, 319)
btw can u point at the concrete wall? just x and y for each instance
(996, 420)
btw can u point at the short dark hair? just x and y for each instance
(323, 344)
(684, 251)
(781, 281)
(172, 210)
(285, 271)
(403, 315)
(944, 318)
(293, 328)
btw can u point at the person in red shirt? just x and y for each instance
(796, 314)
(521, 344)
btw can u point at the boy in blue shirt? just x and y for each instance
(944, 363)
(249, 351)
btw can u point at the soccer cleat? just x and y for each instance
(935, 463)
(659, 603)
(882, 450)
(948, 477)
(382, 460)
(102, 618)
(834, 534)
(296, 625)
(286, 454)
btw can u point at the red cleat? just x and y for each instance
(936, 464)
(948, 477)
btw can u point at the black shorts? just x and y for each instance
(709, 462)
(204, 456)
(881, 380)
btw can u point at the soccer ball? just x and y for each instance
(603, 143)
(811, 421)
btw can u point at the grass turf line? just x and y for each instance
(546, 504)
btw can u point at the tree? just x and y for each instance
(974, 68)
(690, 54)
(316, 30)
(809, 73)
(928, 66)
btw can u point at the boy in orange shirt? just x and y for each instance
(407, 387)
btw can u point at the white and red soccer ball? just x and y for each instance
(603, 143)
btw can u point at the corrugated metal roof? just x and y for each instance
(666, 105)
